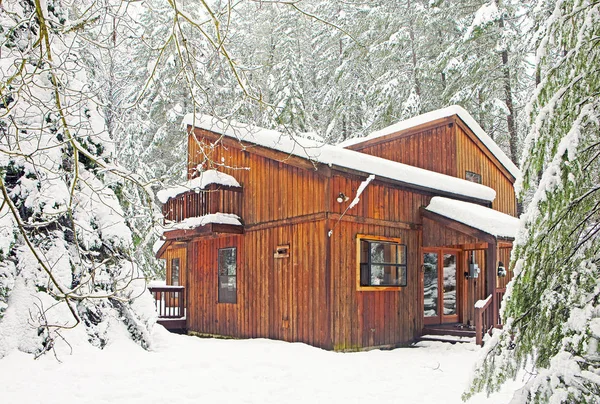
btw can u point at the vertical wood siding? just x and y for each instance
(272, 190)
(433, 149)
(177, 250)
(311, 295)
(470, 157)
(373, 318)
(278, 298)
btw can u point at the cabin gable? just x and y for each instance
(450, 147)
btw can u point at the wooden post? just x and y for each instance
(491, 266)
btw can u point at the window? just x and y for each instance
(473, 177)
(382, 262)
(228, 275)
(175, 272)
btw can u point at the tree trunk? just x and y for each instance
(413, 52)
(510, 118)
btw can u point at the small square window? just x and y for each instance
(382, 263)
(473, 177)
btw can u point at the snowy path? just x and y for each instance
(192, 370)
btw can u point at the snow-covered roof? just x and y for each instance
(488, 220)
(439, 114)
(193, 222)
(341, 157)
(205, 179)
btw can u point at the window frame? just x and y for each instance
(219, 276)
(472, 176)
(173, 261)
(371, 238)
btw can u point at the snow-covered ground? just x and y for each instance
(185, 369)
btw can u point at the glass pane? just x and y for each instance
(377, 252)
(364, 252)
(449, 284)
(227, 289)
(387, 253)
(175, 272)
(430, 293)
(227, 262)
(388, 275)
(376, 275)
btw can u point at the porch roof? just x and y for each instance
(473, 216)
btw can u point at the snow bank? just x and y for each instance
(338, 156)
(485, 219)
(439, 114)
(205, 179)
(184, 369)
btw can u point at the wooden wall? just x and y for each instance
(471, 157)
(272, 190)
(373, 318)
(431, 148)
(278, 298)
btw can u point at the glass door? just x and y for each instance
(449, 289)
(440, 287)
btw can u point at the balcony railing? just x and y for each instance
(214, 199)
(170, 305)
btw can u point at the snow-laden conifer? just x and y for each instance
(66, 273)
(552, 307)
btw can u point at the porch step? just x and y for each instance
(453, 330)
(453, 339)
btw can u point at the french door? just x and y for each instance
(440, 286)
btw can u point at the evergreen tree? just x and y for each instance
(551, 310)
(66, 272)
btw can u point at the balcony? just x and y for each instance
(213, 199)
(214, 209)
(170, 306)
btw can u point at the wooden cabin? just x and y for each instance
(371, 243)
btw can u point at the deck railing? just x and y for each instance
(484, 315)
(169, 301)
(195, 204)
(483, 318)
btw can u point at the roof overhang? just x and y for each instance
(209, 229)
(477, 221)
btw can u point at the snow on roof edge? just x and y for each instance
(488, 220)
(205, 179)
(337, 156)
(462, 113)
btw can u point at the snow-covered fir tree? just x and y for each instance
(66, 273)
(551, 310)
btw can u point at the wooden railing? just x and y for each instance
(169, 301)
(484, 315)
(483, 318)
(195, 204)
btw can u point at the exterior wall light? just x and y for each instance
(342, 198)
(501, 270)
